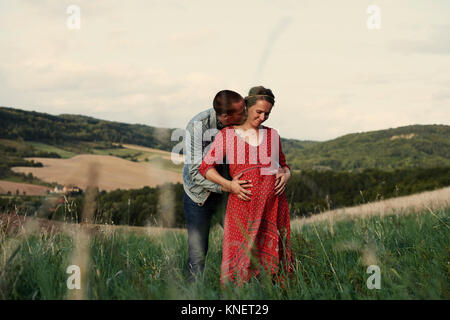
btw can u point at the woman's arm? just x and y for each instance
(284, 172)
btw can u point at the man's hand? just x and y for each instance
(282, 177)
(238, 187)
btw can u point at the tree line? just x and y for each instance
(308, 193)
(412, 146)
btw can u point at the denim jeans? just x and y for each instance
(198, 221)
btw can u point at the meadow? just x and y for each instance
(411, 250)
(64, 154)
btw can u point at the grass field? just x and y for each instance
(411, 250)
(48, 148)
(21, 179)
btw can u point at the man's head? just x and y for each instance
(229, 107)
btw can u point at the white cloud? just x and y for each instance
(434, 41)
(161, 62)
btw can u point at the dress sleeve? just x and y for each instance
(216, 153)
(281, 155)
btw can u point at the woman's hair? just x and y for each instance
(223, 101)
(259, 93)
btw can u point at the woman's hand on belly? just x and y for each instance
(239, 187)
(282, 178)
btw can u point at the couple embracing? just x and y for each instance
(246, 161)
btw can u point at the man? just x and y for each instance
(201, 196)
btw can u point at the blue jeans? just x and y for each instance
(198, 221)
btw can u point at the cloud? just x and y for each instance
(109, 91)
(277, 31)
(443, 95)
(190, 39)
(160, 62)
(436, 42)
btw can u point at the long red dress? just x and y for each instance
(256, 232)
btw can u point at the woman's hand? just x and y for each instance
(238, 187)
(282, 178)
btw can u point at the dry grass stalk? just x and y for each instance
(82, 238)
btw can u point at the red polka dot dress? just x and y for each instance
(256, 232)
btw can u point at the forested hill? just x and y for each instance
(413, 146)
(404, 147)
(63, 129)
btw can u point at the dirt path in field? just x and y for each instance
(29, 189)
(112, 172)
(421, 202)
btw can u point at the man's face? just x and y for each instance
(237, 117)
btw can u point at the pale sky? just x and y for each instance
(160, 62)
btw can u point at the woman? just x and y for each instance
(256, 231)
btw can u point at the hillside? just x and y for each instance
(424, 146)
(415, 146)
(70, 129)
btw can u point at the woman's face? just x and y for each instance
(258, 113)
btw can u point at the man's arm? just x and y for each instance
(234, 186)
(194, 144)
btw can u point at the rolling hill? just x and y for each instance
(414, 146)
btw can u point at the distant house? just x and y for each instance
(58, 189)
(74, 190)
(69, 189)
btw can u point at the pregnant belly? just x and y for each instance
(263, 185)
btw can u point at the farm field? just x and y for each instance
(331, 260)
(130, 152)
(111, 172)
(28, 189)
(164, 154)
(119, 152)
(159, 158)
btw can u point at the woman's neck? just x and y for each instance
(246, 126)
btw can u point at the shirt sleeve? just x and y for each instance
(215, 155)
(195, 146)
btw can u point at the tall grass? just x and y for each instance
(412, 252)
